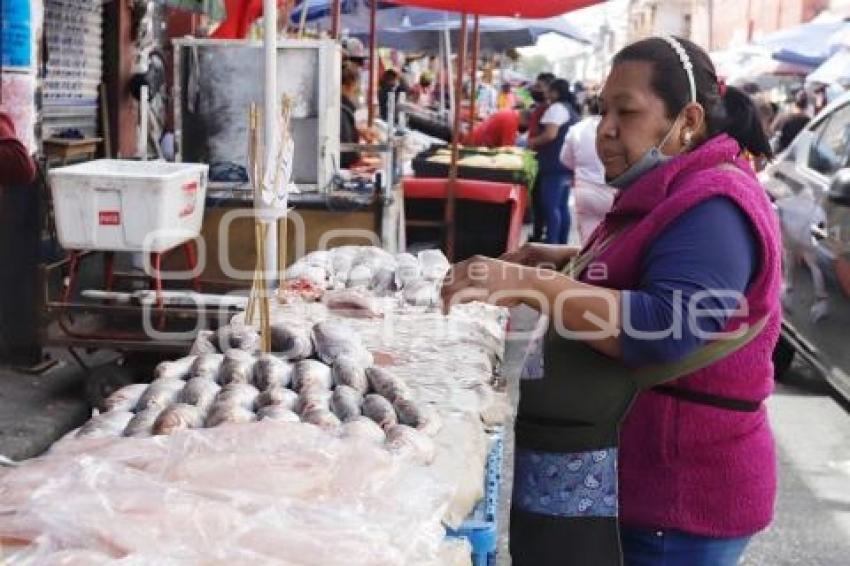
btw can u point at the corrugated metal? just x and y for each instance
(74, 32)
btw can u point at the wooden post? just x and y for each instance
(373, 25)
(449, 219)
(476, 48)
(336, 16)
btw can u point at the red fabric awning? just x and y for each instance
(532, 9)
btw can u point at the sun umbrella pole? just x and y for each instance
(270, 119)
(449, 219)
(336, 15)
(473, 89)
(373, 27)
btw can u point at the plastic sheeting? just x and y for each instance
(264, 493)
(536, 9)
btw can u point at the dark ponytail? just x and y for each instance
(732, 112)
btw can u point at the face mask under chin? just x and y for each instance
(653, 158)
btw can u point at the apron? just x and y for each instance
(567, 430)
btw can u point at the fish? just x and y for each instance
(226, 413)
(313, 398)
(348, 371)
(272, 370)
(322, 418)
(207, 366)
(311, 373)
(379, 410)
(386, 384)
(405, 440)
(278, 395)
(160, 393)
(363, 427)
(291, 342)
(319, 258)
(407, 269)
(342, 259)
(419, 416)
(174, 369)
(178, 416)
(434, 264)
(142, 423)
(228, 337)
(242, 394)
(105, 425)
(332, 340)
(200, 392)
(125, 399)
(421, 293)
(352, 302)
(345, 402)
(277, 413)
(204, 343)
(383, 281)
(361, 276)
(238, 367)
(316, 275)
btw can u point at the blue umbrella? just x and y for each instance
(806, 44)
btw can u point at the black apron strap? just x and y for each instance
(707, 399)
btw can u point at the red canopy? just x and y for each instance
(531, 9)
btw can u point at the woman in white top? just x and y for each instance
(593, 198)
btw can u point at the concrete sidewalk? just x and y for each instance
(36, 410)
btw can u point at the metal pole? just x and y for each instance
(476, 48)
(373, 24)
(270, 120)
(336, 15)
(449, 73)
(449, 220)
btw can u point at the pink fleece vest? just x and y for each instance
(684, 466)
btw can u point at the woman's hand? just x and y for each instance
(549, 256)
(484, 279)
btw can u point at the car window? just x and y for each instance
(831, 144)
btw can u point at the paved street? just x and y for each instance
(812, 525)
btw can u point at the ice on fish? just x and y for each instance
(277, 413)
(408, 269)
(352, 302)
(361, 275)
(379, 410)
(278, 395)
(227, 413)
(204, 343)
(105, 425)
(434, 265)
(364, 428)
(383, 280)
(311, 373)
(418, 415)
(322, 418)
(421, 293)
(314, 274)
(207, 366)
(125, 399)
(242, 394)
(345, 402)
(348, 371)
(384, 383)
(228, 337)
(179, 416)
(142, 423)
(271, 370)
(200, 392)
(174, 369)
(237, 367)
(332, 340)
(403, 439)
(160, 393)
(291, 342)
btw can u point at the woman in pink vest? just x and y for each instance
(646, 440)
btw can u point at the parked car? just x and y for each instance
(810, 185)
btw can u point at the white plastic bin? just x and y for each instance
(129, 206)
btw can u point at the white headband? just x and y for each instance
(686, 63)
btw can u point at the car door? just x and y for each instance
(816, 241)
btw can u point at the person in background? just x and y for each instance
(821, 99)
(501, 129)
(423, 92)
(507, 99)
(555, 177)
(593, 198)
(354, 53)
(18, 168)
(348, 130)
(486, 99)
(538, 94)
(390, 85)
(788, 125)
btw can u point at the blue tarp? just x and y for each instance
(806, 44)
